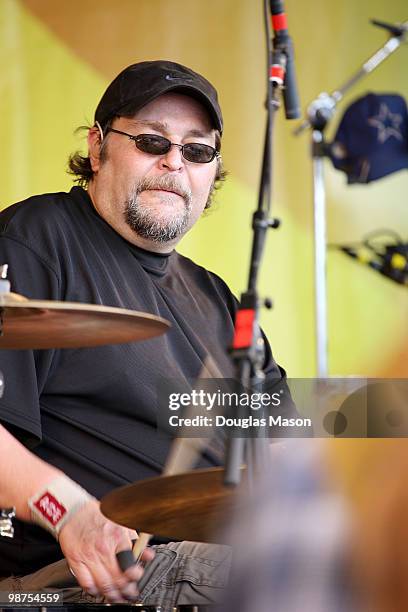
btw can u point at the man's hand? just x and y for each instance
(90, 542)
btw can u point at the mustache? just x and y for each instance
(166, 182)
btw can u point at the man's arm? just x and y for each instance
(88, 540)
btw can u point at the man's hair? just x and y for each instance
(80, 165)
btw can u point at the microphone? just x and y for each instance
(283, 42)
(392, 262)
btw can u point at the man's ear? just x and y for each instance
(95, 137)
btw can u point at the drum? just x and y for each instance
(137, 607)
(88, 608)
(201, 608)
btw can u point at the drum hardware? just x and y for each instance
(200, 608)
(104, 607)
(6, 522)
(136, 607)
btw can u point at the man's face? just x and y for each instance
(152, 200)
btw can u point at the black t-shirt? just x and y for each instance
(92, 411)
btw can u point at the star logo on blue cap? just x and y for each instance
(387, 123)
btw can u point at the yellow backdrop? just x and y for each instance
(56, 60)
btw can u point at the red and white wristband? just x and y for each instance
(57, 503)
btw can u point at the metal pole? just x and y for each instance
(319, 210)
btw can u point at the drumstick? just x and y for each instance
(182, 456)
(140, 545)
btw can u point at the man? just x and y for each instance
(89, 415)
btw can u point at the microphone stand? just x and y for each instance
(319, 113)
(247, 349)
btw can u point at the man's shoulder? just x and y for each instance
(37, 210)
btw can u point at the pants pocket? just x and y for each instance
(198, 575)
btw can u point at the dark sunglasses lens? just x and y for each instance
(158, 145)
(198, 153)
(150, 143)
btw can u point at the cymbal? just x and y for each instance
(36, 324)
(193, 506)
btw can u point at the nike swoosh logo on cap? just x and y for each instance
(169, 77)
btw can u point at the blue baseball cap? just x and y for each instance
(372, 138)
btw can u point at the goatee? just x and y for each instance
(145, 221)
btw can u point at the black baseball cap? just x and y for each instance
(140, 83)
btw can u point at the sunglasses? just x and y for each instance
(153, 144)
